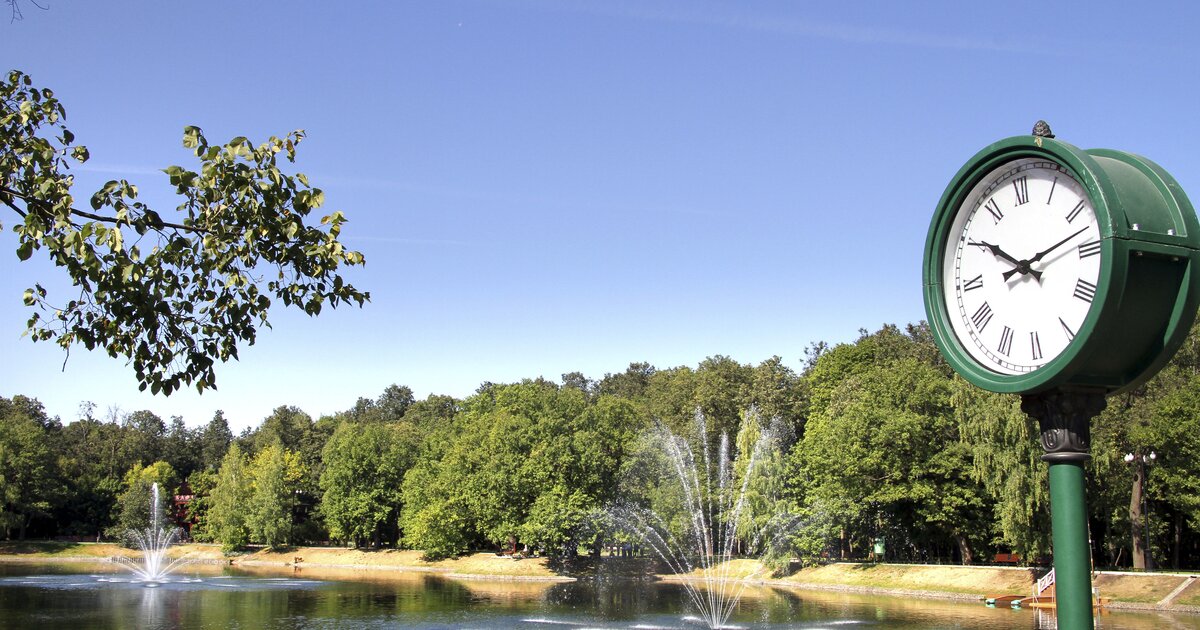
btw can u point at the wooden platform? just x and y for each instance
(1003, 600)
(1048, 602)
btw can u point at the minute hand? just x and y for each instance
(1024, 264)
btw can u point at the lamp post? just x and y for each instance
(1138, 496)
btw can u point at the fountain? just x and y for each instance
(153, 542)
(712, 525)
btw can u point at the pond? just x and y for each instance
(96, 596)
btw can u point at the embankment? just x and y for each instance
(1179, 592)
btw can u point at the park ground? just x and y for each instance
(1162, 591)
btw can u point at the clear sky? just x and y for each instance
(545, 186)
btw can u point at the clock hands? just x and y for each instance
(1024, 265)
(995, 249)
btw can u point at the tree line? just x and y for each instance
(882, 453)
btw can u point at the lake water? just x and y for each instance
(96, 596)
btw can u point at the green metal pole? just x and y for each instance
(1072, 553)
(1064, 416)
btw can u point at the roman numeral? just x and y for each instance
(1090, 248)
(1067, 329)
(982, 316)
(1085, 290)
(1021, 187)
(1074, 212)
(1035, 345)
(1052, 185)
(1006, 336)
(974, 283)
(994, 208)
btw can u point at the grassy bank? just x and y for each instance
(1178, 591)
(65, 551)
(473, 565)
(972, 581)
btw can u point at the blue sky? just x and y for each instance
(548, 186)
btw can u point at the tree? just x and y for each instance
(179, 447)
(522, 462)
(29, 478)
(1162, 416)
(394, 402)
(134, 503)
(94, 460)
(1006, 460)
(361, 482)
(31, 408)
(171, 295)
(882, 454)
(144, 434)
(287, 425)
(214, 440)
(630, 384)
(229, 501)
(202, 483)
(275, 475)
(17, 14)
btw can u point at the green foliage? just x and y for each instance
(1006, 460)
(525, 462)
(875, 438)
(134, 502)
(230, 501)
(171, 294)
(29, 474)
(881, 454)
(213, 442)
(760, 469)
(1176, 427)
(275, 475)
(201, 483)
(1162, 417)
(361, 481)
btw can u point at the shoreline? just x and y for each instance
(1146, 592)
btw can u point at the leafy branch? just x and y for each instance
(185, 292)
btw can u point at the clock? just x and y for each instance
(1047, 265)
(1022, 265)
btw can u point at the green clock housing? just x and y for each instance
(1047, 266)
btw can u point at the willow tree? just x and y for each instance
(1006, 460)
(171, 292)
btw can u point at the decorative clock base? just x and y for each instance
(1065, 417)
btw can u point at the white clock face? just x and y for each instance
(1021, 266)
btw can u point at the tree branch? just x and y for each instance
(15, 208)
(90, 215)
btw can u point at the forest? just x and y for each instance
(877, 442)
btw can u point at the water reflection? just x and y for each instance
(32, 597)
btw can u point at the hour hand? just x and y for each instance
(995, 249)
(1022, 266)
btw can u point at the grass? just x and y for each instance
(1142, 589)
(98, 551)
(932, 578)
(482, 563)
(1190, 596)
(394, 564)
